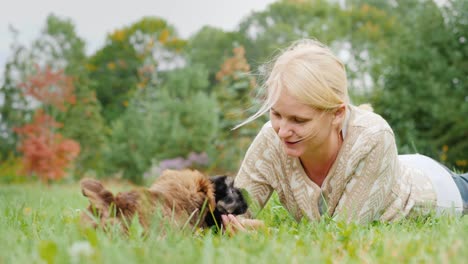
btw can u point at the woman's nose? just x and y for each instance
(284, 130)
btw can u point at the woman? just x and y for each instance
(323, 155)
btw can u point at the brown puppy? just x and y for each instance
(182, 197)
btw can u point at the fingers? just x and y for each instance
(236, 223)
(232, 224)
(226, 225)
(252, 223)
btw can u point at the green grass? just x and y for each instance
(40, 224)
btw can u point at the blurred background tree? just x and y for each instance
(15, 109)
(235, 93)
(266, 32)
(164, 121)
(210, 47)
(115, 69)
(60, 47)
(46, 153)
(423, 91)
(57, 48)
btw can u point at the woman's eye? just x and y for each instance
(299, 120)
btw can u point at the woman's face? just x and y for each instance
(301, 128)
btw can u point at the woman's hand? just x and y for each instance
(232, 224)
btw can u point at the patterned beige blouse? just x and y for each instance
(365, 183)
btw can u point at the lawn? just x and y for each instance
(40, 224)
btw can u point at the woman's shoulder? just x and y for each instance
(368, 136)
(267, 137)
(268, 131)
(364, 121)
(265, 146)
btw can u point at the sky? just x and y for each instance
(93, 19)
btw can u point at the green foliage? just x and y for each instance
(59, 48)
(285, 21)
(185, 82)
(62, 47)
(12, 113)
(423, 93)
(370, 28)
(83, 122)
(169, 120)
(15, 109)
(112, 80)
(121, 65)
(210, 47)
(41, 223)
(10, 170)
(236, 100)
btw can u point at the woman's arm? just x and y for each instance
(253, 177)
(255, 172)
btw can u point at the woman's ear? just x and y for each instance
(339, 115)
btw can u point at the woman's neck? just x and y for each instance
(318, 163)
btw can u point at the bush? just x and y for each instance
(424, 89)
(11, 170)
(163, 122)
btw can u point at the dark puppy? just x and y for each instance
(229, 200)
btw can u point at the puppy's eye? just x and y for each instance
(222, 189)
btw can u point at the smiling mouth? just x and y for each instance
(292, 142)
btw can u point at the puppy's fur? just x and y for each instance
(183, 197)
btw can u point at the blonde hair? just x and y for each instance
(310, 72)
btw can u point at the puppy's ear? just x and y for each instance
(220, 186)
(98, 196)
(218, 180)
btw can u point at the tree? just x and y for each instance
(61, 47)
(355, 31)
(15, 108)
(236, 100)
(58, 48)
(371, 26)
(210, 47)
(423, 95)
(286, 21)
(164, 121)
(45, 152)
(130, 56)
